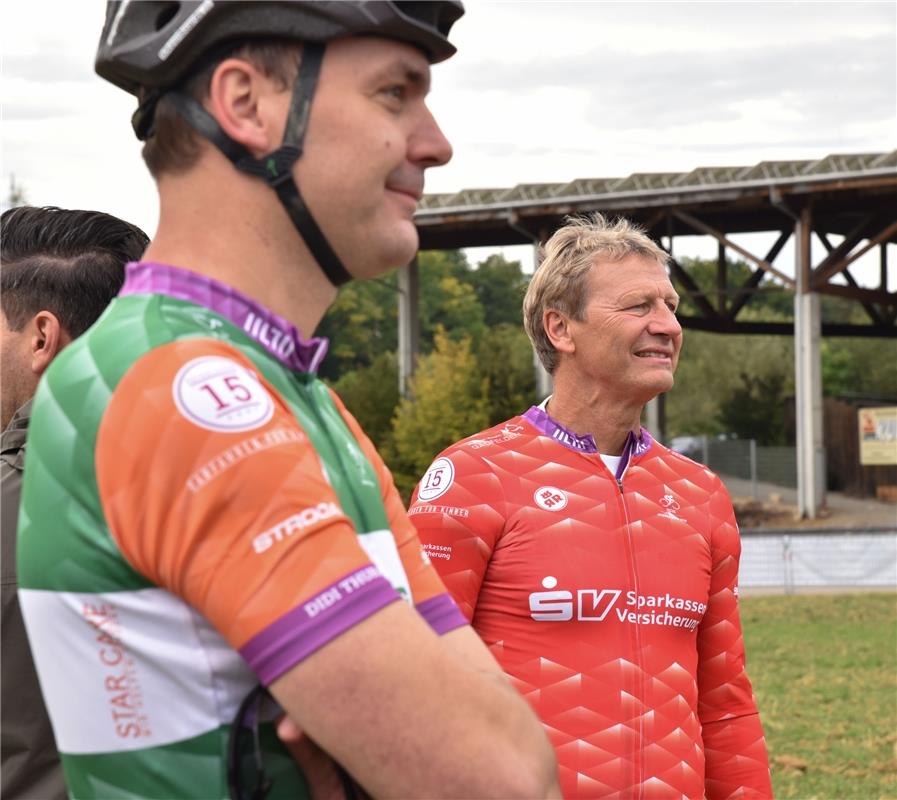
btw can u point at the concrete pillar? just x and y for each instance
(655, 418)
(544, 383)
(409, 324)
(808, 380)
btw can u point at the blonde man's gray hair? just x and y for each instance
(561, 281)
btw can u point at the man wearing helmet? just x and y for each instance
(289, 143)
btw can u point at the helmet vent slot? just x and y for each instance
(166, 14)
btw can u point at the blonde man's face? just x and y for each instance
(629, 339)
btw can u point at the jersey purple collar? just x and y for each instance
(545, 424)
(636, 445)
(271, 331)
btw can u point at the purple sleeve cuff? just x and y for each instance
(442, 613)
(309, 626)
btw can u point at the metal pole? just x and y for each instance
(409, 324)
(808, 380)
(705, 450)
(787, 556)
(754, 469)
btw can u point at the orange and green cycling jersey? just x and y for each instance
(200, 513)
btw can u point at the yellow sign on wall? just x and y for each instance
(878, 435)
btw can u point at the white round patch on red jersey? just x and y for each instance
(221, 395)
(550, 498)
(437, 479)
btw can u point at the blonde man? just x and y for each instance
(600, 567)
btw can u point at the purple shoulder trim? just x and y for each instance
(540, 420)
(442, 613)
(273, 332)
(308, 627)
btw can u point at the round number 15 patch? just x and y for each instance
(219, 394)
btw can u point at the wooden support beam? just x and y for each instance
(871, 310)
(786, 328)
(881, 237)
(883, 265)
(803, 241)
(834, 261)
(651, 222)
(721, 281)
(825, 242)
(747, 291)
(698, 225)
(692, 289)
(859, 293)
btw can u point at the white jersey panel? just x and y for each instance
(380, 547)
(159, 673)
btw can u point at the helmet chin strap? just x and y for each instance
(276, 168)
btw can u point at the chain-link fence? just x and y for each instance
(743, 458)
(799, 558)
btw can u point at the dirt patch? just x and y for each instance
(773, 513)
(756, 514)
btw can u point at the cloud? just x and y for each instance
(847, 78)
(29, 100)
(49, 65)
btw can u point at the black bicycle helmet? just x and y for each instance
(148, 47)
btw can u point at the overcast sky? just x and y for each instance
(539, 91)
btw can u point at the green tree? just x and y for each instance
(447, 298)
(754, 408)
(372, 393)
(362, 325)
(710, 370)
(857, 367)
(499, 285)
(506, 362)
(447, 401)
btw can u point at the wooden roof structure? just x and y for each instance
(849, 195)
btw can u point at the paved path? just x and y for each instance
(840, 511)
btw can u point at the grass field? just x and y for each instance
(824, 669)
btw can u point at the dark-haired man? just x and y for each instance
(216, 518)
(59, 269)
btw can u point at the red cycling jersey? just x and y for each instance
(610, 601)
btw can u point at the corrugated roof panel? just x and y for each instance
(835, 163)
(435, 200)
(531, 191)
(884, 160)
(588, 186)
(842, 162)
(703, 176)
(776, 169)
(470, 197)
(639, 181)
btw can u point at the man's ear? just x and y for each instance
(47, 338)
(249, 106)
(557, 328)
